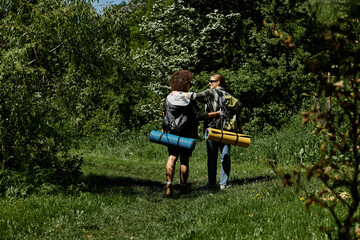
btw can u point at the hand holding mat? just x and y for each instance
(173, 140)
(227, 137)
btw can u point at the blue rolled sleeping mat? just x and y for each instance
(173, 140)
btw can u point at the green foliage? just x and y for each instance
(292, 144)
(230, 38)
(101, 69)
(68, 72)
(34, 140)
(336, 70)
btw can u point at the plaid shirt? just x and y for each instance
(211, 100)
(210, 97)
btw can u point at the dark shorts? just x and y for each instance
(177, 151)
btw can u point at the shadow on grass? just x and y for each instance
(125, 185)
(201, 190)
(129, 186)
(251, 180)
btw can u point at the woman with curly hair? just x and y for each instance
(176, 105)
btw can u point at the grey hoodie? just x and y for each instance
(178, 99)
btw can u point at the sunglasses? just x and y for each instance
(212, 81)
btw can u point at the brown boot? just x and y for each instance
(169, 190)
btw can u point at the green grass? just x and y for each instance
(123, 198)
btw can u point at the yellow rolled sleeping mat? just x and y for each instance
(227, 137)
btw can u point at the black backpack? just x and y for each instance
(176, 118)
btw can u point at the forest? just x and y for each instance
(69, 74)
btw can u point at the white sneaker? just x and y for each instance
(223, 187)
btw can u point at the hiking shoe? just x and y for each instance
(169, 190)
(223, 187)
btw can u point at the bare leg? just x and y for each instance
(170, 168)
(184, 169)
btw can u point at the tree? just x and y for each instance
(54, 57)
(336, 71)
(209, 36)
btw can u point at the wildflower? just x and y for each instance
(302, 199)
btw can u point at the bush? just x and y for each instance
(34, 134)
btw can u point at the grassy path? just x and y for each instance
(123, 198)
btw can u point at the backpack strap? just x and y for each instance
(237, 139)
(222, 108)
(166, 117)
(161, 136)
(222, 136)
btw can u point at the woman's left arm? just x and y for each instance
(201, 96)
(213, 114)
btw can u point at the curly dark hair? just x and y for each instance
(180, 79)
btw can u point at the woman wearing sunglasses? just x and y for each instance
(211, 97)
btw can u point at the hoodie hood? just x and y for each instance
(178, 99)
